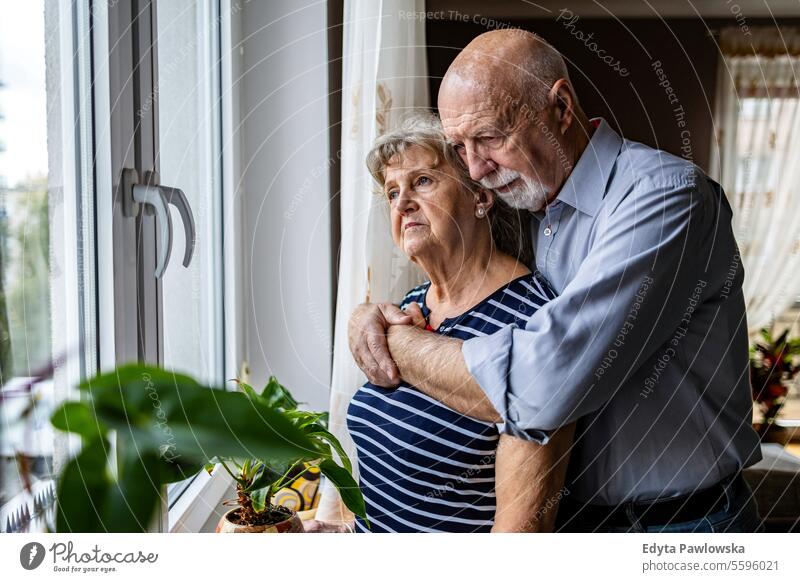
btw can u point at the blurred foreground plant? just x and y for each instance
(166, 427)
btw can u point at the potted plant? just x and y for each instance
(259, 480)
(166, 428)
(773, 369)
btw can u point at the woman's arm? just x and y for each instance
(529, 481)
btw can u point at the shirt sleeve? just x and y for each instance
(626, 299)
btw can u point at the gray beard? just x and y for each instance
(530, 195)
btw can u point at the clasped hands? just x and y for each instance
(368, 332)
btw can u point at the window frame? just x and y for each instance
(204, 493)
(195, 499)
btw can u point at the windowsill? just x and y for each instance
(200, 500)
(793, 426)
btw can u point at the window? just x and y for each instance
(760, 141)
(763, 148)
(189, 158)
(46, 245)
(139, 90)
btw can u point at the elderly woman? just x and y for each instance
(423, 466)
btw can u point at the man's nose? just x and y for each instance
(479, 166)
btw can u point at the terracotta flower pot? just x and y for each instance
(289, 525)
(774, 433)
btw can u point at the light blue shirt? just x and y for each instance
(646, 345)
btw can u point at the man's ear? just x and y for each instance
(563, 97)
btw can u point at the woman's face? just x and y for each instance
(432, 215)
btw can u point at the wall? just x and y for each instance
(637, 104)
(285, 185)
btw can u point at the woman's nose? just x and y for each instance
(479, 166)
(405, 201)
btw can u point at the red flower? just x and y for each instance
(777, 390)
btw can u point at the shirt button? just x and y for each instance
(548, 231)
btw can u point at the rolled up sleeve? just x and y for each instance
(625, 300)
(488, 361)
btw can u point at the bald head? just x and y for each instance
(509, 64)
(508, 108)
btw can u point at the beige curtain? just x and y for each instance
(757, 160)
(384, 77)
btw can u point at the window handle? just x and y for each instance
(159, 198)
(177, 198)
(152, 195)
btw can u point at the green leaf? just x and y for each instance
(193, 423)
(319, 432)
(265, 478)
(259, 498)
(247, 389)
(276, 395)
(83, 487)
(134, 499)
(78, 418)
(302, 418)
(138, 374)
(346, 485)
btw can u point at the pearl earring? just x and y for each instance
(481, 212)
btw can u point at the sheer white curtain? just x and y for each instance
(384, 77)
(758, 163)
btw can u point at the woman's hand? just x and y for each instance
(415, 312)
(366, 334)
(315, 526)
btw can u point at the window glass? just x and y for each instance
(43, 289)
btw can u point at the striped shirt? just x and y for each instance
(423, 466)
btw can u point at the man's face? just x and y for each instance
(507, 148)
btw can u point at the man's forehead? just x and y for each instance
(472, 117)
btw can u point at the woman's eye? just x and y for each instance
(392, 194)
(424, 181)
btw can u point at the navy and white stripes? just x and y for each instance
(423, 466)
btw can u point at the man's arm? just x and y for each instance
(529, 482)
(529, 476)
(434, 365)
(626, 300)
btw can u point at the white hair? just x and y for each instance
(541, 70)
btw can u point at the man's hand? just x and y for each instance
(366, 334)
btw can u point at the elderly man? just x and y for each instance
(644, 350)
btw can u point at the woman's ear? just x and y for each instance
(484, 200)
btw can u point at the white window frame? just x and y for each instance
(203, 496)
(204, 493)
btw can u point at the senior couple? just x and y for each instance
(577, 360)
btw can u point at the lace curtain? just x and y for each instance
(757, 125)
(384, 77)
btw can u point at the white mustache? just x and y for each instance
(500, 177)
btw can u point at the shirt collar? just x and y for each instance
(585, 186)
